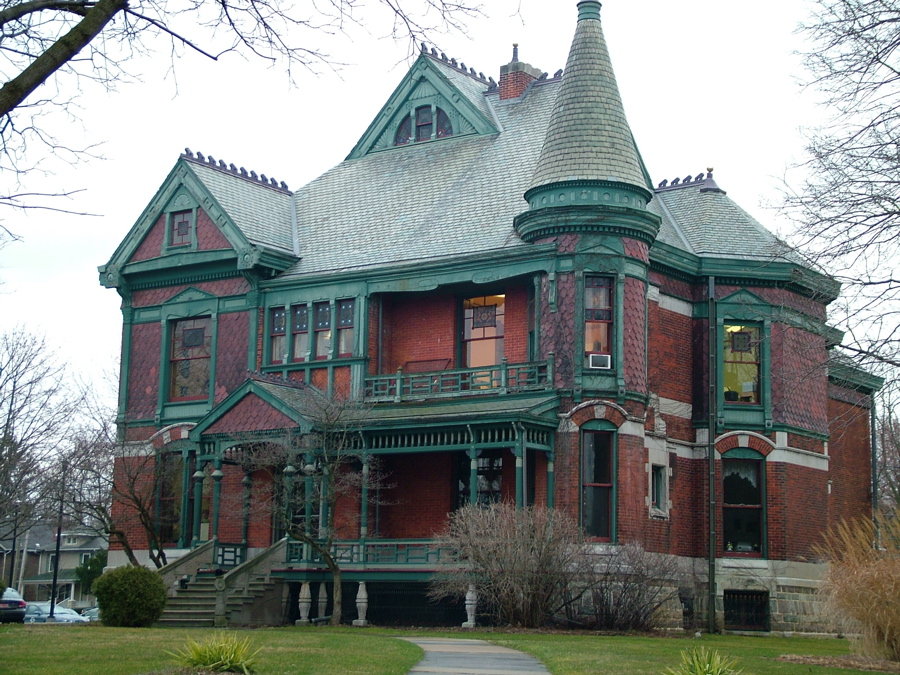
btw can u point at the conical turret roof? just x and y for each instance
(588, 137)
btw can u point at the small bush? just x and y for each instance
(628, 587)
(130, 596)
(863, 580)
(699, 661)
(220, 653)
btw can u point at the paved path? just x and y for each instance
(473, 657)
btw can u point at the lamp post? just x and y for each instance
(59, 519)
(12, 564)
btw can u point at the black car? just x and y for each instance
(12, 607)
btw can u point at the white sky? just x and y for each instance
(706, 83)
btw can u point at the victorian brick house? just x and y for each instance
(537, 321)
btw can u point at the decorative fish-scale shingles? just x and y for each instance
(588, 137)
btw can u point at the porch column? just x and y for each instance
(247, 482)
(323, 599)
(551, 482)
(473, 476)
(304, 603)
(198, 502)
(184, 512)
(288, 511)
(520, 468)
(362, 605)
(364, 501)
(217, 499)
(308, 471)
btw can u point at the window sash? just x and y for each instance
(180, 228)
(189, 363)
(597, 483)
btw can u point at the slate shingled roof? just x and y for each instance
(588, 137)
(458, 196)
(262, 212)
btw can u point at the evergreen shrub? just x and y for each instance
(130, 596)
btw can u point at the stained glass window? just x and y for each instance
(299, 332)
(277, 330)
(190, 359)
(322, 317)
(180, 233)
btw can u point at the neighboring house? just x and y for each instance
(35, 581)
(531, 319)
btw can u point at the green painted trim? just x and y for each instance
(481, 268)
(591, 193)
(248, 387)
(615, 220)
(743, 453)
(424, 69)
(680, 264)
(599, 425)
(853, 377)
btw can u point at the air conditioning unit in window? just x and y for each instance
(600, 361)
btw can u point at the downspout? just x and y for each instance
(873, 442)
(712, 407)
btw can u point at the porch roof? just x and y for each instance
(536, 408)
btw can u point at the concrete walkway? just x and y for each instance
(473, 657)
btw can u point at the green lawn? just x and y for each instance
(92, 649)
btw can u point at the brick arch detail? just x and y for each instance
(170, 434)
(744, 439)
(598, 410)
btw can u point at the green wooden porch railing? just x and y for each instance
(500, 379)
(410, 552)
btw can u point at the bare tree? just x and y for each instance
(847, 206)
(522, 563)
(332, 467)
(887, 434)
(50, 49)
(37, 407)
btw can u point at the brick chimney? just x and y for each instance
(515, 76)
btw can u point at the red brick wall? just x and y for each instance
(670, 361)
(143, 371)
(231, 358)
(634, 335)
(221, 287)
(558, 329)
(152, 244)
(251, 412)
(849, 450)
(209, 236)
(422, 497)
(799, 379)
(513, 85)
(418, 329)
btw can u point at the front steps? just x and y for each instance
(195, 606)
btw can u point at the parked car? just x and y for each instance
(39, 612)
(92, 613)
(12, 607)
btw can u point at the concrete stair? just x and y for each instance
(195, 606)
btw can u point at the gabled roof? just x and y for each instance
(260, 209)
(252, 212)
(439, 80)
(455, 196)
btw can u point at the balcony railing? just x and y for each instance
(500, 379)
(374, 552)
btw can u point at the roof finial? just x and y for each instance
(589, 9)
(515, 52)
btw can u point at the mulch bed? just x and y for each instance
(851, 662)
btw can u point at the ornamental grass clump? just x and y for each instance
(220, 653)
(700, 661)
(863, 580)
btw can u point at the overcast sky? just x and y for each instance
(707, 83)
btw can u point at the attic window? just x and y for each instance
(180, 233)
(430, 122)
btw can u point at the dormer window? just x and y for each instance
(430, 122)
(180, 230)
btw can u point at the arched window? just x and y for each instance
(744, 498)
(429, 121)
